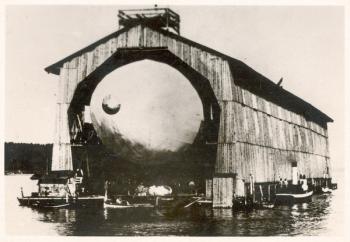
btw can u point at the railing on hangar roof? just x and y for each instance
(157, 17)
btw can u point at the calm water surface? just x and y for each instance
(323, 216)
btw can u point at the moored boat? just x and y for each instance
(121, 206)
(296, 192)
(60, 202)
(291, 198)
(59, 190)
(326, 190)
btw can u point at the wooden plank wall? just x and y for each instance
(263, 141)
(255, 136)
(61, 151)
(209, 188)
(223, 192)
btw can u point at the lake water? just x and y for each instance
(323, 216)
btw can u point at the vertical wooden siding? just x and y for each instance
(222, 192)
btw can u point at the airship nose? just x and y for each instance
(150, 113)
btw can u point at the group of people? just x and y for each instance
(141, 189)
(283, 183)
(302, 183)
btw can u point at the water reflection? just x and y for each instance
(222, 214)
(300, 219)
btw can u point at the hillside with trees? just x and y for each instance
(27, 158)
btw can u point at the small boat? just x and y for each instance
(326, 190)
(58, 206)
(121, 206)
(291, 198)
(114, 205)
(121, 202)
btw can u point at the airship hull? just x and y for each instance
(131, 150)
(147, 117)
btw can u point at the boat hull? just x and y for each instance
(117, 206)
(290, 198)
(326, 190)
(61, 202)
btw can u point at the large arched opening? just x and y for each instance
(135, 162)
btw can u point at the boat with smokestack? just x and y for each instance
(61, 186)
(59, 189)
(297, 192)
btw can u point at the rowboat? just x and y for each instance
(121, 206)
(111, 205)
(58, 206)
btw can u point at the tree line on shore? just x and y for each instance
(27, 158)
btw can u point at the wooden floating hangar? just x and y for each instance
(261, 128)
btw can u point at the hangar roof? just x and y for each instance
(244, 76)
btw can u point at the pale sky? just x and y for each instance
(304, 45)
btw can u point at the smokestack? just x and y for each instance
(294, 173)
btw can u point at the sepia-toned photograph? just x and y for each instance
(174, 120)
